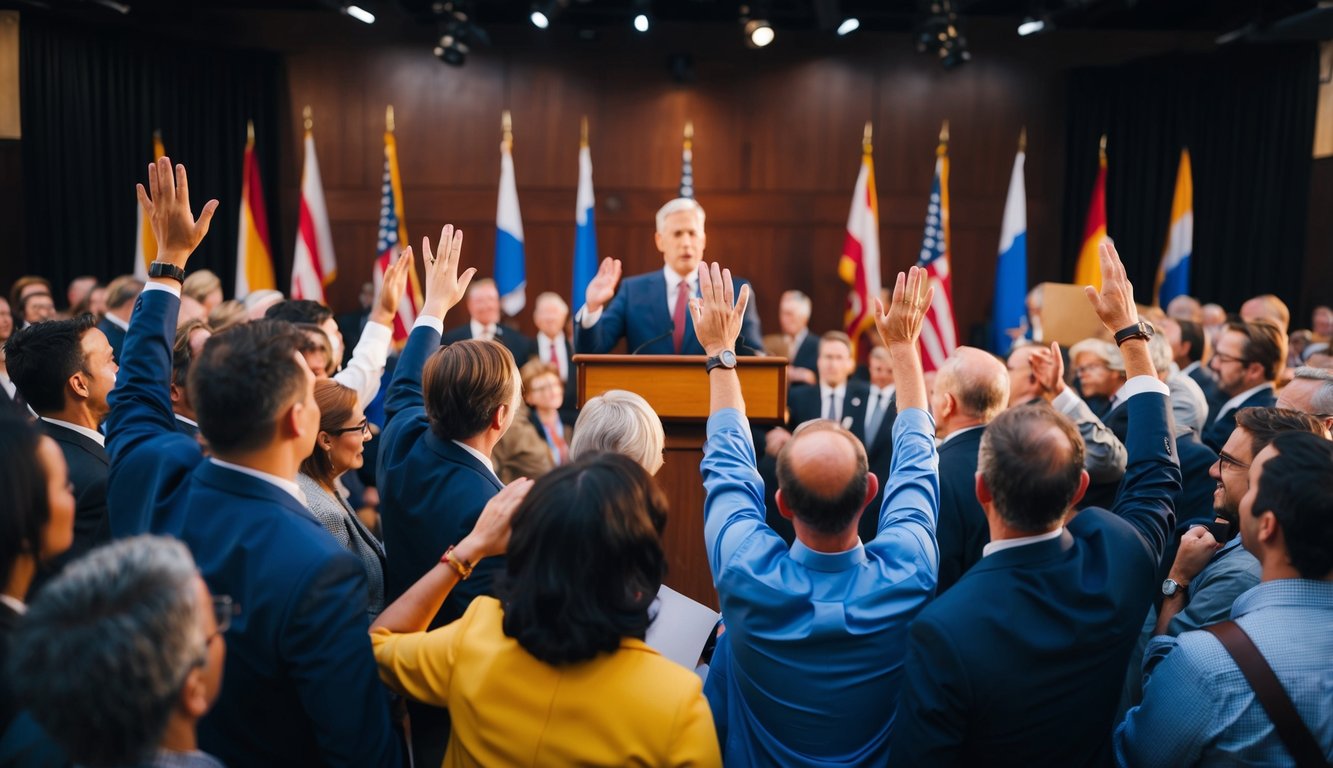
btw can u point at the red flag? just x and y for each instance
(254, 259)
(314, 265)
(859, 265)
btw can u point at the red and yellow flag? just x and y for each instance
(254, 256)
(859, 265)
(145, 244)
(1088, 271)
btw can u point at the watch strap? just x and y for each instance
(1139, 330)
(165, 269)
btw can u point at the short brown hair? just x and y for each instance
(837, 336)
(16, 290)
(1032, 481)
(123, 290)
(336, 404)
(1265, 344)
(465, 383)
(1264, 424)
(181, 354)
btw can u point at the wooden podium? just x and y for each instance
(676, 386)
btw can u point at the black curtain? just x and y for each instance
(92, 97)
(1247, 115)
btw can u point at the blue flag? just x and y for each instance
(585, 233)
(1009, 310)
(510, 273)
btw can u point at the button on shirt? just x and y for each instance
(1198, 708)
(809, 669)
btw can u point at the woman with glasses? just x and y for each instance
(340, 446)
(544, 393)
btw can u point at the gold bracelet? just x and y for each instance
(463, 567)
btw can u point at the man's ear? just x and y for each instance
(291, 420)
(1083, 481)
(194, 695)
(177, 394)
(872, 488)
(984, 495)
(1269, 530)
(783, 509)
(78, 384)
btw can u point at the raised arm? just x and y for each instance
(1104, 455)
(141, 402)
(600, 323)
(366, 367)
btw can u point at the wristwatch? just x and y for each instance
(1139, 330)
(1170, 587)
(163, 269)
(724, 359)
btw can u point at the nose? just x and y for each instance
(1215, 470)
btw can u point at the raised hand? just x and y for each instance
(166, 205)
(718, 313)
(392, 288)
(1115, 303)
(1048, 366)
(444, 286)
(603, 286)
(490, 536)
(901, 323)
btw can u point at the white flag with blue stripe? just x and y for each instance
(510, 272)
(585, 232)
(1009, 308)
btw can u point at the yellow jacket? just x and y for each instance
(629, 708)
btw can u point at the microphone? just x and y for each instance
(654, 340)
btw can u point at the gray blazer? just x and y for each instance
(340, 520)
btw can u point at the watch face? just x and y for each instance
(728, 358)
(1169, 587)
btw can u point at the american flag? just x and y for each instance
(939, 336)
(392, 238)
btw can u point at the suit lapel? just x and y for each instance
(82, 442)
(447, 450)
(654, 306)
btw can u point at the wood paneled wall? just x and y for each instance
(776, 152)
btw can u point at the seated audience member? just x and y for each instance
(522, 451)
(1247, 359)
(122, 655)
(622, 422)
(556, 671)
(225, 315)
(1199, 707)
(544, 392)
(483, 309)
(64, 370)
(339, 446)
(1321, 324)
(24, 287)
(36, 526)
(553, 347)
(190, 339)
(316, 348)
(35, 307)
(837, 398)
(204, 287)
(1185, 308)
(1100, 371)
(120, 297)
(78, 291)
(1310, 391)
(257, 303)
(809, 667)
(241, 514)
(447, 408)
(1189, 349)
(365, 369)
(1268, 308)
(881, 413)
(971, 389)
(93, 303)
(1214, 320)
(1189, 405)
(8, 392)
(1022, 662)
(802, 348)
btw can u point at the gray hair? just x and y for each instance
(100, 657)
(619, 422)
(676, 206)
(1159, 349)
(800, 299)
(552, 297)
(1105, 350)
(1322, 400)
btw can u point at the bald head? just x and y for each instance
(822, 477)
(972, 388)
(1023, 385)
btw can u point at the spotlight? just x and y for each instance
(457, 35)
(1031, 26)
(758, 33)
(539, 19)
(848, 26)
(641, 22)
(452, 51)
(359, 13)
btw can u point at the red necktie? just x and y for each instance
(682, 298)
(555, 359)
(556, 431)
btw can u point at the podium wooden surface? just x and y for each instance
(676, 386)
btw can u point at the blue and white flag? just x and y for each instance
(1009, 309)
(585, 233)
(510, 272)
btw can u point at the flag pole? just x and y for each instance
(388, 118)
(689, 134)
(583, 131)
(1023, 139)
(1101, 148)
(865, 138)
(944, 133)
(308, 119)
(507, 129)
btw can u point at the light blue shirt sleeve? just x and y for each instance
(911, 506)
(734, 501)
(1177, 717)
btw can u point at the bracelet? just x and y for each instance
(463, 567)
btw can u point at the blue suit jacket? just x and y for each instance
(1219, 429)
(115, 335)
(962, 530)
(1022, 661)
(300, 685)
(639, 315)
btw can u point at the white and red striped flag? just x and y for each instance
(939, 335)
(314, 265)
(859, 265)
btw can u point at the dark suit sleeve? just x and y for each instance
(405, 389)
(932, 706)
(751, 335)
(141, 401)
(1152, 477)
(610, 327)
(327, 649)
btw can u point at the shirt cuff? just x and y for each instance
(428, 321)
(588, 319)
(174, 290)
(1066, 401)
(1140, 384)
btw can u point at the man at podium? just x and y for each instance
(651, 311)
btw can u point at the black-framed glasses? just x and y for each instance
(1082, 369)
(363, 427)
(1225, 358)
(1225, 460)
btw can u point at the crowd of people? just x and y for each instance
(253, 533)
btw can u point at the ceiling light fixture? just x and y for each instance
(758, 33)
(359, 13)
(641, 22)
(848, 26)
(1031, 26)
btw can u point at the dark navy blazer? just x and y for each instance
(1022, 661)
(300, 685)
(1219, 429)
(639, 315)
(962, 530)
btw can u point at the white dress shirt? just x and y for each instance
(483, 458)
(839, 393)
(544, 345)
(673, 281)
(485, 332)
(1235, 402)
(873, 402)
(365, 370)
(1021, 541)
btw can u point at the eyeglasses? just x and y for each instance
(1225, 460)
(545, 387)
(1082, 369)
(363, 427)
(1223, 357)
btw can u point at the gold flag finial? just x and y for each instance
(689, 134)
(944, 132)
(250, 131)
(1023, 139)
(865, 138)
(583, 131)
(308, 117)
(388, 118)
(1101, 147)
(507, 128)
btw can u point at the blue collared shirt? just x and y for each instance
(809, 668)
(1197, 706)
